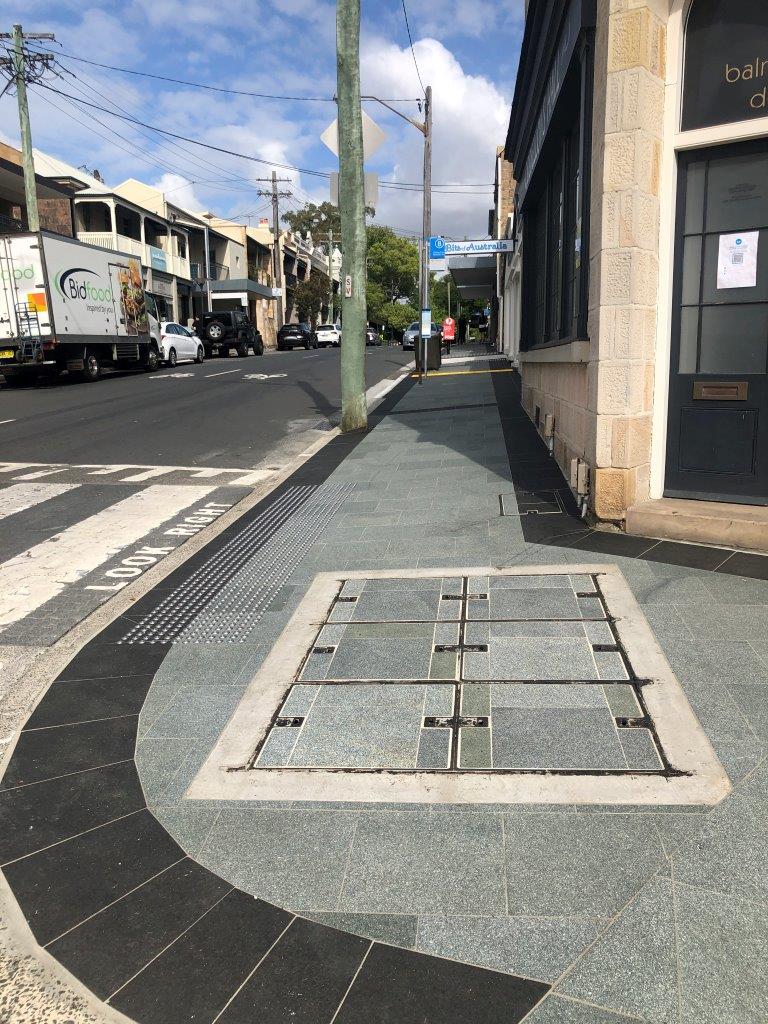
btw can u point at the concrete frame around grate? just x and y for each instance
(226, 773)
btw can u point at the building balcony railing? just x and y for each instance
(217, 272)
(150, 255)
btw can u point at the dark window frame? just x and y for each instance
(555, 278)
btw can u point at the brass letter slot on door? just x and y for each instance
(721, 390)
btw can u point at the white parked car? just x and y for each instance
(179, 344)
(328, 334)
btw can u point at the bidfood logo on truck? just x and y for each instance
(73, 287)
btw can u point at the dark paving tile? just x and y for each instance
(396, 986)
(195, 977)
(98, 660)
(693, 556)
(109, 948)
(744, 564)
(614, 544)
(86, 700)
(59, 887)
(303, 979)
(49, 753)
(33, 817)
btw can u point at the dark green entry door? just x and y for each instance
(717, 435)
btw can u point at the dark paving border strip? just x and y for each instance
(118, 902)
(533, 468)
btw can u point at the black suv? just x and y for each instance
(296, 336)
(228, 328)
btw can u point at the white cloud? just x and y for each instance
(470, 117)
(178, 190)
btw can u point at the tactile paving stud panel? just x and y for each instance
(497, 685)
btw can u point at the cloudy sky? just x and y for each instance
(466, 50)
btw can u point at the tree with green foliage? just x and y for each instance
(317, 220)
(393, 264)
(398, 315)
(310, 296)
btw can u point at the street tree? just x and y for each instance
(310, 296)
(393, 264)
(318, 219)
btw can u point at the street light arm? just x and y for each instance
(416, 124)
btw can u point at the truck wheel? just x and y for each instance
(258, 348)
(200, 354)
(153, 359)
(242, 349)
(90, 370)
(214, 330)
(172, 360)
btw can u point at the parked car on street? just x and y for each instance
(328, 334)
(179, 344)
(296, 336)
(224, 329)
(372, 336)
(411, 335)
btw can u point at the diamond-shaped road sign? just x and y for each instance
(373, 136)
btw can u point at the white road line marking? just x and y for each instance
(14, 467)
(2, 422)
(106, 470)
(220, 373)
(40, 472)
(206, 474)
(255, 477)
(19, 497)
(41, 572)
(148, 474)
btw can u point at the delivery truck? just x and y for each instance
(67, 307)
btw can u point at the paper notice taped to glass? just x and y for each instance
(737, 260)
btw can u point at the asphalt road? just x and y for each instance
(220, 413)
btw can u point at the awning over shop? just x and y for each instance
(474, 276)
(244, 285)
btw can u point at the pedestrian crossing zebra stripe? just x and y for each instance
(42, 572)
(20, 497)
(225, 476)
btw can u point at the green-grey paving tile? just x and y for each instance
(403, 862)
(554, 1010)
(622, 701)
(475, 747)
(434, 751)
(396, 929)
(534, 947)
(563, 739)
(639, 750)
(722, 951)
(278, 747)
(633, 968)
(566, 863)
(476, 699)
(543, 696)
(532, 658)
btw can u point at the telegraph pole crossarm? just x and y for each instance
(277, 262)
(22, 66)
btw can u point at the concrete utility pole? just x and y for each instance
(354, 412)
(330, 276)
(20, 68)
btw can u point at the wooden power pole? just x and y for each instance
(22, 66)
(354, 412)
(426, 227)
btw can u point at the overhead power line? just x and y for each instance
(402, 186)
(213, 88)
(413, 52)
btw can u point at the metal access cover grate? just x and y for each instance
(225, 598)
(531, 503)
(535, 685)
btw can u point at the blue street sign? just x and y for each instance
(436, 248)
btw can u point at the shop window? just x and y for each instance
(554, 248)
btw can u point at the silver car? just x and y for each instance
(411, 335)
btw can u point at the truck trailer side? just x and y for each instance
(70, 307)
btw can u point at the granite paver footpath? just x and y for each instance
(653, 913)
